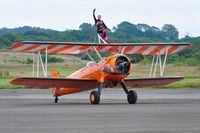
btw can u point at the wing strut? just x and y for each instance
(90, 57)
(37, 61)
(101, 39)
(157, 59)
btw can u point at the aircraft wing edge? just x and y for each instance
(148, 82)
(46, 83)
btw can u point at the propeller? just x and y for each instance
(122, 65)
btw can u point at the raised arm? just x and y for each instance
(94, 15)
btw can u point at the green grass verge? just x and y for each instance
(191, 74)
(188, 82)
(5, 84)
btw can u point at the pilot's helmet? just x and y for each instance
(90, 63)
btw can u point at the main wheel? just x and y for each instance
(94, 97)
(132, 97)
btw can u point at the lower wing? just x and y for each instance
(145, 82)
(55, 82)
(88, 83)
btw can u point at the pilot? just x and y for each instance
(101, 27)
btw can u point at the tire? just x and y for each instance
(56, 99)
(94, 97)
(132, 97)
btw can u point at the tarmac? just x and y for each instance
(157, 110)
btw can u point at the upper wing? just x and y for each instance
(145, 82)
(75, 47)
(55, 82)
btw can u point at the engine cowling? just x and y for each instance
(122, 65)
(118, 64)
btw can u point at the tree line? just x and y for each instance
(123, 32)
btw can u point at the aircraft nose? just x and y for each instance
(123, 65)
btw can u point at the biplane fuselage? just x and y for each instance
(105, 71)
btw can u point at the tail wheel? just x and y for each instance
(94, 97)
(132, 97)
(56, 99)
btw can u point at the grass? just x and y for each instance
(191, 74)
(5, 84)
(188, 82)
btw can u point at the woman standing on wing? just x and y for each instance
(101, 27)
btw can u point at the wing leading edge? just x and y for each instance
(147, 82)
(55, 82)
(76, 47)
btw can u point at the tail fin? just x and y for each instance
(54, 73)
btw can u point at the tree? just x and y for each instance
(86, 27)
(8, 38)
(87, 31)
(143, 27)
(127, 30)
(170, 32)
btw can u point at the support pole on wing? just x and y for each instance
(42, 64)
(122, 51)
(46, 58)
(33, 73)
(38, 63)
(152, 64)
(90, 57)
(164, 63)
(97, 53)
(158, 59)
(154, 74)
(100, 39)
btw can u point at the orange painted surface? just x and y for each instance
(156, 50)
(16, 45)
(30, 48)
(172, 49)
(101, 71)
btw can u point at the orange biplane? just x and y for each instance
(107, 73)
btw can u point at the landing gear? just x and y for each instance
(56, 99)
(95, 95)
(131, 95)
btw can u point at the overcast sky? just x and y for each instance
(69, 14)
